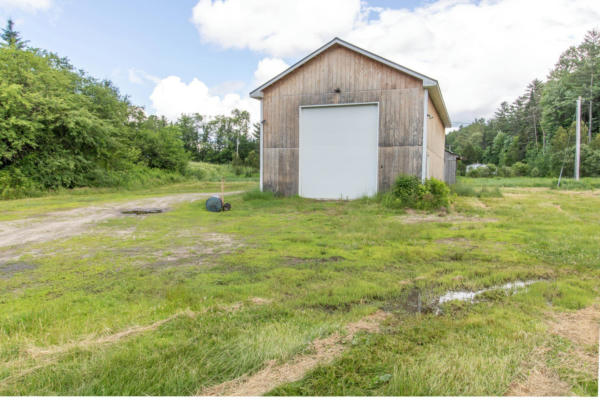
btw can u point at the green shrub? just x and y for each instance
(483, 171)
(388, 200)
(406, 189)
(474, 173)
(492, 169)
(409, 192)
(253, 160)
(237, 161)
(520, 169)
(14, 184)
(505, 171)
(437, 195)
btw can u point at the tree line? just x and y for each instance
(60, 127)
(535, 134)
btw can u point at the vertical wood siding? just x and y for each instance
(436, 142)
(449, 168)
(359, 79)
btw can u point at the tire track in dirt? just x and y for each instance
(272, 375)
(63, 224)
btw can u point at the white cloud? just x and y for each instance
(482, 53)
(172, 97)
(283, 28)
(139, 77)
(268, 68)
(224, 88)
(27, 5)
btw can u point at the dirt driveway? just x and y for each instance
(62, 224)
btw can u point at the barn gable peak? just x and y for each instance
(428, 83)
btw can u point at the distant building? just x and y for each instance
(475, 166)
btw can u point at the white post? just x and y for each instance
(578, 138)
(261, 145)
(424, 156)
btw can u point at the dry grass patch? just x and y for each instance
(413, 217)
(581, 328)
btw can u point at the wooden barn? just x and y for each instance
(344, 122)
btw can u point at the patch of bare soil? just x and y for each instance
(9, 269)
(62, 224)
(260, 301)
(581, 193)
(478, 203)
(413, 217)
(581, 328)
(206, 245)
(272, 375)
(454, 241)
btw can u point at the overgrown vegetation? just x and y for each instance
(61, 128)
(535, 135)
(409, 192)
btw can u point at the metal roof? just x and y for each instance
(429, 83)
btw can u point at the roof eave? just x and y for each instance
(438, 102)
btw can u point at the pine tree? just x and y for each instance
(11, 37)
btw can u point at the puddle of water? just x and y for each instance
(470, 296)
(141, 211)
(417, 301)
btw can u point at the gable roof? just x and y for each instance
(428, 83)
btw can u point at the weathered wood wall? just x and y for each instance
(449, 168)
(358, 79)
(436, 142)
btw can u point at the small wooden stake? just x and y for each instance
(223, 190)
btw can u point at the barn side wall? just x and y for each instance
(358, 79)
(436, 141)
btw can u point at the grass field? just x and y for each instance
(525, 181)
(181, 302)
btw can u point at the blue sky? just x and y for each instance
(106, 38)
(481, 52)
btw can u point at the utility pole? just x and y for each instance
(578, 138)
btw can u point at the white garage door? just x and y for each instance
(338, 151)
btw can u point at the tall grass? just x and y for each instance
(214, 172)
(524, 181)
(470, 190)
